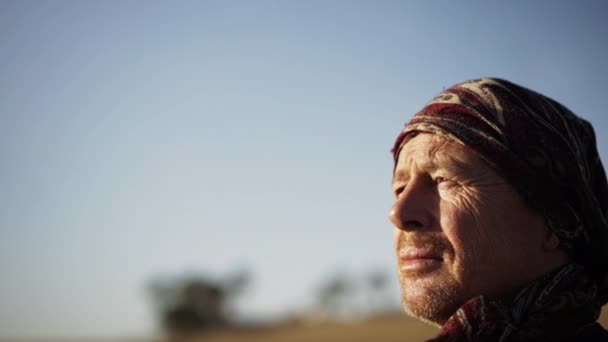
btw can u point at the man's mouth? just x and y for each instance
(416, 260)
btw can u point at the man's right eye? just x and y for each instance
(399, 190)
(439, 180)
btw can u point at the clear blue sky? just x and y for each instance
(145, 138)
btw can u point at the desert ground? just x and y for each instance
(386, 328)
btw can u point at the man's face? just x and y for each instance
(460, 229)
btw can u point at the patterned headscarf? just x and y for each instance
(542, 149)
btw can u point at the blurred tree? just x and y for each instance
(334, 296)
(377, 285)
(191, 304)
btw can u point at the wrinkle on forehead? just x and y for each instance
(431, 152)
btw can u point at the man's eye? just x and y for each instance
(399, 190)
(439, 180)
(446, 183)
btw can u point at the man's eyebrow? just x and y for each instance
(453, 162)
(399, 175)
(402, 174)
(463, 165)
(444, 160)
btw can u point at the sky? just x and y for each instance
(148, 138)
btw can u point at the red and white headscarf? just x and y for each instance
(545, 151)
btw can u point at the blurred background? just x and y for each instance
(168, 167)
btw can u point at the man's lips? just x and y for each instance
(418, 259)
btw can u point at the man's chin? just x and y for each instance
(421, 314)
(432, 305)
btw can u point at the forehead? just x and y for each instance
(432, 152)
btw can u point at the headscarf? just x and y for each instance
(545, 151)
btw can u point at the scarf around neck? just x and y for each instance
(553, 308)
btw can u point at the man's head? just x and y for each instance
(495, 186)
(461, 230)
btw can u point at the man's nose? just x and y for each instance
(413, 208)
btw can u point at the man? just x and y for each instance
(500, 215)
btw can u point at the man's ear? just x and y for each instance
(551, 241)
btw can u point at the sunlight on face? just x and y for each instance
(460, 229)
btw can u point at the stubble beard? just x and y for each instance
(435, 295)
(432, 300)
